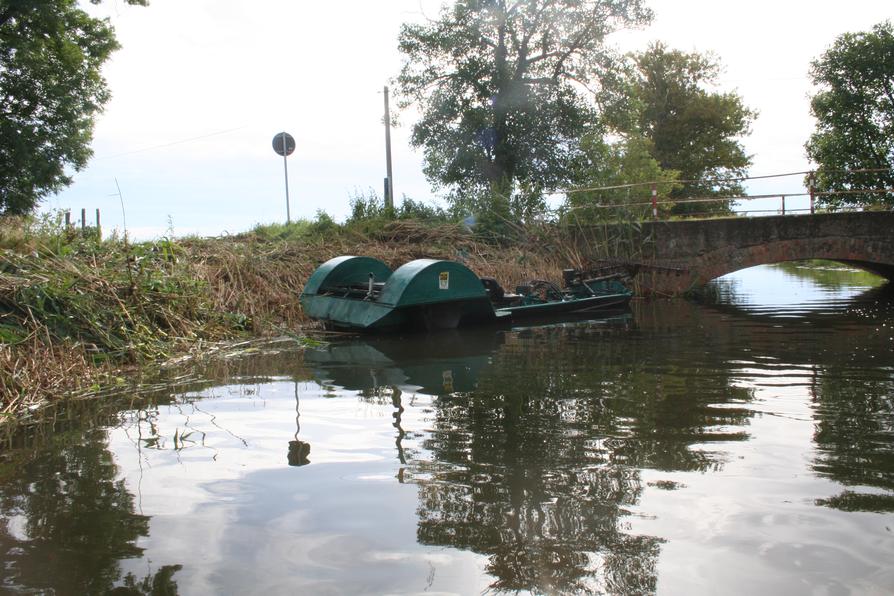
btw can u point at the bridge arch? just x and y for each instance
(688, 254)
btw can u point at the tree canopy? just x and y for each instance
(693, 131)
(854, 111)
(50, 92)
(623, 170)
(504, 89)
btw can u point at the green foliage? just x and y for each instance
(44, 234)
(854, 112)
(662, 98)
(50, 92)
(125, 302)
(321, 226)
(368, 207)
(281, 231)
(625, 165)
(501, 88)
(831, 274)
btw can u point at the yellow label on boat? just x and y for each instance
(444, 280)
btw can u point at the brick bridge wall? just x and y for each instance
(681, 255)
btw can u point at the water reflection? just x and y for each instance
(436, 364)
(535, 441)
(686, 448)
(70, 520)
(538, 471)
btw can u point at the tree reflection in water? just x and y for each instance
(538, 465)
(67, 520)
(70, 521)
(855, 438)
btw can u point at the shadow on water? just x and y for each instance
(532, 448)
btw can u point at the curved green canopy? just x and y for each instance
(346, 271)
(426, 281)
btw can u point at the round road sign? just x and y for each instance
(284, 144)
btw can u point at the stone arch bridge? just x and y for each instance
(677, 256)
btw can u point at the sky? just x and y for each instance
(200, 87)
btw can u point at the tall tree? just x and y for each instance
(504, 90)
(692, 130)
(50, 92)
(854, 111)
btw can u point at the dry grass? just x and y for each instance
(73, 311)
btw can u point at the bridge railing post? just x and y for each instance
(811, 181)
(654, 201)
(783, 204)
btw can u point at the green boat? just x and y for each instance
(582, 295)
(364, 294)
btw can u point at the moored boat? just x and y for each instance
(581, 294)
(364, 294)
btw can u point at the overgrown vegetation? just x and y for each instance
(76, 310)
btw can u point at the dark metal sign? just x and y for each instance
(284, 144)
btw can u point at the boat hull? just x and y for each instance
(349, 314)
(589, 304)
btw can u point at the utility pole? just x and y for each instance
(389, 192)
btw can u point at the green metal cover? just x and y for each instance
(428, 281)
(346, 270)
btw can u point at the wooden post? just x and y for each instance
(83, 219)
(67, 219)
(98, 227)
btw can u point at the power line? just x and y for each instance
(172, 143)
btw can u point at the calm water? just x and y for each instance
(738, 448)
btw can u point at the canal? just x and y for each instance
(740, 445)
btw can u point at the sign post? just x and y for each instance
(284, 144)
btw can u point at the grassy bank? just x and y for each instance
(76, 313)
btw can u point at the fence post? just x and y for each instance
(783, 204)
(98, 227)
(811, 180)
(654, 201)
(83, 219)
